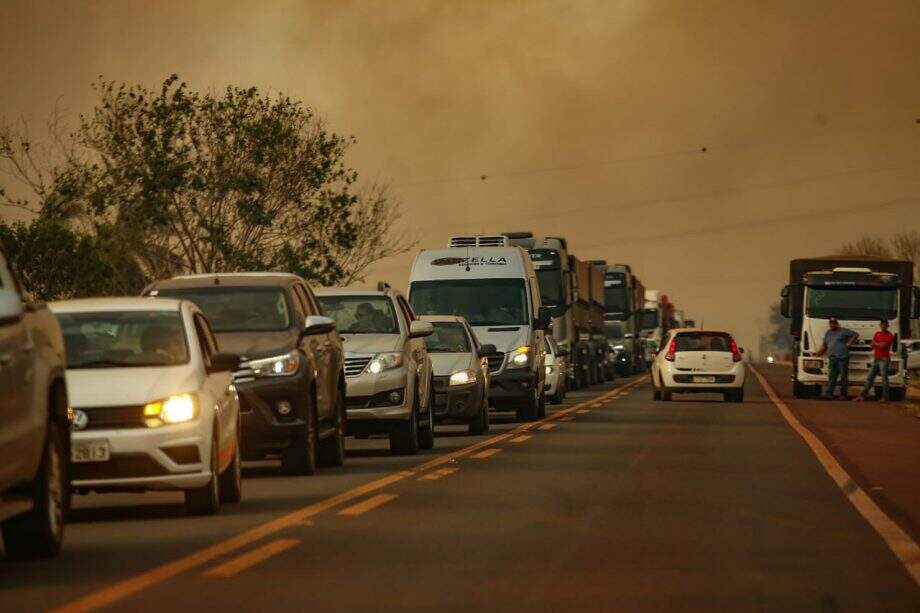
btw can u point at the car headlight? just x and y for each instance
(520, 357)
(276, 366)
(385, 361)
(173, 410)
(463, 377)
(618, 347)
(549, 369)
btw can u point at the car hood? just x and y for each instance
(444, 364)
(257, 344)
(502, 337)
(100, 387)
(370, 343)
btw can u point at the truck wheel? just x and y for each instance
(40, 532)
(205, 500)
(897, 394)
(799, 390)
(404, 438)
(332, 449)
(231, 480)
(300, 457)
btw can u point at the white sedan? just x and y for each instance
(154, 403)
(692, 360)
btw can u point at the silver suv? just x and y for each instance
(387, 369)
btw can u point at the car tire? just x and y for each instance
(231, 480)
(205, 500)
(404, 438)
(656, 394)
(332, 449)
(480, 423)
(300, 458)
(40, 532)
(426, 431)
(667, 396)
(541, 405)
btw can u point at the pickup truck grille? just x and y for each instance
(109, 418)
(495, 362)
(355, 365)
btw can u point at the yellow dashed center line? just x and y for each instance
(566, 418)
(437, 474)
(367, 505)
(583, 411)
(487, 453)
(521, 438)
(251, 558)
(548, 426)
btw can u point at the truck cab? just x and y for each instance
(858, 296)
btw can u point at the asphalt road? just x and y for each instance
(615, 501)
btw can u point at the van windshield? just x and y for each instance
(484, 302)
(852, 303)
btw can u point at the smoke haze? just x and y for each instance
(705, 143)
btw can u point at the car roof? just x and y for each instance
(230, 279)
(702, 330)
(443, 318)
(93, 305)
(343, 291)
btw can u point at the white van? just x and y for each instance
(495, 289)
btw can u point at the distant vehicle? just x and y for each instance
(657, 317)
(495, 288)
(461, 373)
(153, 399)
(692, 361)
(292, 381)
(388, 371)
(557, 367)
(858, 291)
(624, 299)
(912, 350)
(34, 424)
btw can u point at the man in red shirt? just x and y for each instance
(882, 343)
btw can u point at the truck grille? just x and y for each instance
(478, 241)
(495, 362)
(355, 365)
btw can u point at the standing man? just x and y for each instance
(837, 343)
(882, 342)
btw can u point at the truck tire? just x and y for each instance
(800, 390)
(40, 532)
(897, 394)
(332, 448)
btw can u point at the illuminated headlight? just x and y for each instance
(519, 357)
(618, 347)
(385, 361)
(276, 366)
(463, 377)
(770, 359)
(174, 410)
(549, 369)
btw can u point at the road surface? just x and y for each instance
(613, 501)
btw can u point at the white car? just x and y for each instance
(556, 362)
(912, 348)
(154, 403)
(691, 360)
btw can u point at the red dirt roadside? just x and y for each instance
(878, 444)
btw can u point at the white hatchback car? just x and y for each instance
(692, 360)
(154, 403)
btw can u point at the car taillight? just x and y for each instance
(672, 351)
(736, 355)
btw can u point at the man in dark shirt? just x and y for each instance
(837, 343)
(882, 343)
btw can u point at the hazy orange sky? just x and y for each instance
(587, 118)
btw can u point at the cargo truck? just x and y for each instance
(858, 291)
(624, 298)
(656, 320)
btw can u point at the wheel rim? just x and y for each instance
(55, 492)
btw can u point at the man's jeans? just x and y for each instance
(879, 365)
(838, 368)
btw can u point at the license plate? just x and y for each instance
(704, 379)
(89, 451)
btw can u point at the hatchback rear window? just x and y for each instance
(703, 341)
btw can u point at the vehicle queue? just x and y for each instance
(174, 389)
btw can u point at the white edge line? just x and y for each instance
(901, 544)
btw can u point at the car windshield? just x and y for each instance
(484, 302)
(614, 331)
(238, 309)
(703, 341)
(852, 303)
(448, 337)
(649, 319)
(361, 314)
(117, 339)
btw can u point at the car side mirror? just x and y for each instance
(544, 318)
(224, 362)
(418, 329)
(318, 324)
(487, 351)
(11, 306)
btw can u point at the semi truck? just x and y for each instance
(656, 319)
(858, 291)
(624, 299)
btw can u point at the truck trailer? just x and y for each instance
(858, 291)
